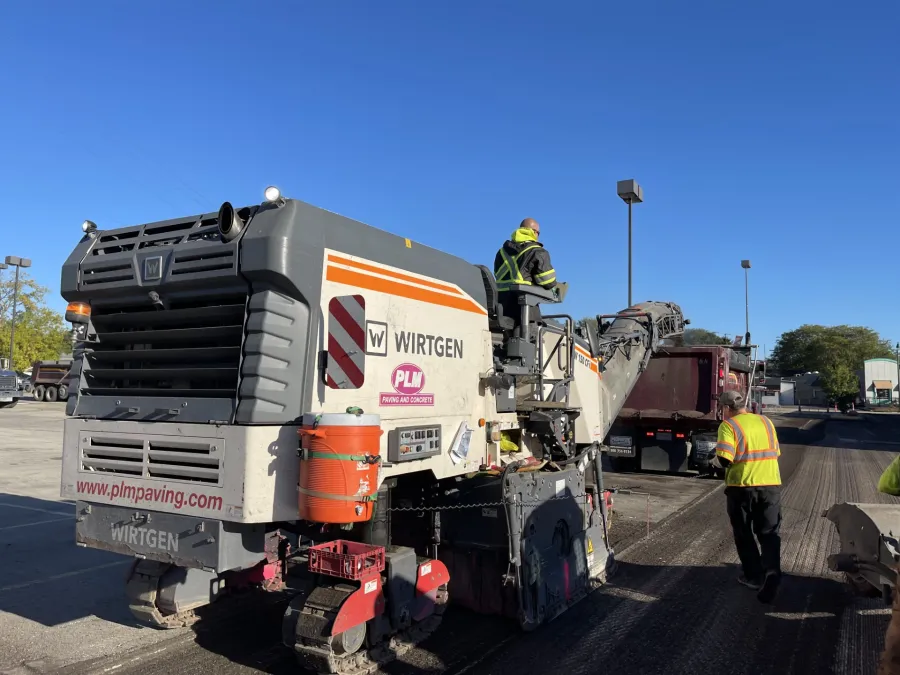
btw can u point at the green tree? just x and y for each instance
(41, 333)
(701, 336)
(841, 384)
(813, 348)
(697, 336)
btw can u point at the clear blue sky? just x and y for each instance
(769, 132)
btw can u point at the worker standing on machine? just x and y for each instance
(522, 260)
(748, 449)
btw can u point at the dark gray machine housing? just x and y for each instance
(226, 332)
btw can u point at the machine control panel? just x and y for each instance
(409, 443)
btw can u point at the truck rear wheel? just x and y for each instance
(51, 394)
(63, 392)
(39, 392)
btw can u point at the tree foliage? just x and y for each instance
(40, 334)
(841, 384)
(812, 348)
(701, 336)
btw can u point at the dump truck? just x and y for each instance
(279, 397)
(670, 419)
(50, 380)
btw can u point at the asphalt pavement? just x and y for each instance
(672, 607)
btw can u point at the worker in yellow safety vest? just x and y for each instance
(748, 450)
(522, 260)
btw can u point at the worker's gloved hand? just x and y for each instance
(715, 463)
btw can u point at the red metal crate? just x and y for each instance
(346, 559)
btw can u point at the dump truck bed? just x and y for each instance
(685, 382)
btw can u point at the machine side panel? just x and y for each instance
(408, 347)
(283, 253)
(233, 473)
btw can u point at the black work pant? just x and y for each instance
(756, 510)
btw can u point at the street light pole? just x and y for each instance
(746, 265)
(898, 372)
(18, 263)
(631, 193)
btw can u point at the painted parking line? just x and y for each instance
(32, 508)
(65, 575)
(37, 522)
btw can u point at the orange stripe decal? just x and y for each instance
(403, 290)
(390, 273)
(593, 364)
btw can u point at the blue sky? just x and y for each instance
(769, 132)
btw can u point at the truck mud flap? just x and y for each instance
(184, 541)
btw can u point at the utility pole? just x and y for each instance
(746, 265)
(631, 193)
(18, 263)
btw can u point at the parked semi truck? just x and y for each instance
(10, 386)
(50, 380)
(282, 397)
(670, 419)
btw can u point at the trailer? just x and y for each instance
(670, 419)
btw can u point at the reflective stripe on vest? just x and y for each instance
(509, 272)
(756, 452)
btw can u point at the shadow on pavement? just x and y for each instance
(45, 577)
(649, 619)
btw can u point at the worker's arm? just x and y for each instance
(725, 445)
(542, 271)
(889, 483)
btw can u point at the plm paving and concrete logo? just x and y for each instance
(408, 381)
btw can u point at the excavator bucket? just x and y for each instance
(870, 550)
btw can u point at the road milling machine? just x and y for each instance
(277, 396)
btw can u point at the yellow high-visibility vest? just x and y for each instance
(750, 443)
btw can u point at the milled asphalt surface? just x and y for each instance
(673, 606)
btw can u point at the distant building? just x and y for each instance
(808, 390)
(878, 382)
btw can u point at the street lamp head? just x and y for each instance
(16, 261)
(630, 191)
(745, 264)
(3, 266)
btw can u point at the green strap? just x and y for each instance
(370, 459)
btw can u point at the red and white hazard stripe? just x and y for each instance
(346, 367)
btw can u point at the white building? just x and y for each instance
(777, 392)
(878, 382)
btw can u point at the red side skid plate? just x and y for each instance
(432, 575)
(364, 604)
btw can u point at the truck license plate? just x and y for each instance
(620, 452)
(5, 398)
(663, 436)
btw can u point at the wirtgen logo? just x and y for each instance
(148, 538)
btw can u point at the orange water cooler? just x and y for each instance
(339, 461)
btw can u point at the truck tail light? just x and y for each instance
(721, 373)
(650, 433)
(679, 435)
